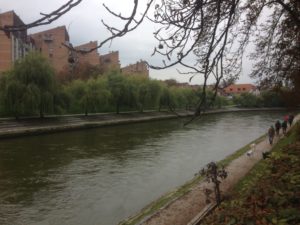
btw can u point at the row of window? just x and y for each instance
(239, 89)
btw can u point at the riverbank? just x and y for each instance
(186, 205)
(10, 128)
(255, 199)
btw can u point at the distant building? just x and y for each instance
(53, 44)
(240, 88)
(110, 61)
(173, 82)
(91, 58)
(50, 44)
(139, 69)
(13, 45)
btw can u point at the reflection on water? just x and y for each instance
(101, 176)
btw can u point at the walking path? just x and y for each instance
(186, 208)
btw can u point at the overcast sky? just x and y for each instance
(84, 24)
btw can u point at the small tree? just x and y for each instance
(30, 86)
(117, 88)
(213, 174)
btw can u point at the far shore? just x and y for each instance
(10, 127)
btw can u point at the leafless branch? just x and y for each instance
(46, 19)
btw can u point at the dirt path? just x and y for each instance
(184, 209)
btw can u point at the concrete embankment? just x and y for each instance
(33, 126)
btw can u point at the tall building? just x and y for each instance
(91, 58)
(13, 45)
(138, 69)
(53, 44)
(110, 61)
(50, 44)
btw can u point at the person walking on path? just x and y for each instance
(277, 127)
(291, 118)
(284, 127)
(271, 134)
(286, 118)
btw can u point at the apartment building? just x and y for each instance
(91, 58)
(110, 61)
(53, 44)
(50, 44)
(138, 69)
(13, 45)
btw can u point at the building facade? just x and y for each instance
(13, 45)
(50, 44)
(239, 88)
(138, 69)
(54, 44)
(110, 61)
(91, 58)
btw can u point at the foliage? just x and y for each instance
(216, 33)
(272, 99)
(270, 193)
(29, 87)
(277, 45)
(107, 93)
(265, 99)
(118, 89)
(82, 71)
(246, 100)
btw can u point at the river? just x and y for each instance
(101, 176)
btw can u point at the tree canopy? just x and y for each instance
(29, 87)
(217, 33)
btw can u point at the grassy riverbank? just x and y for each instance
(166, 199)
(270, 193)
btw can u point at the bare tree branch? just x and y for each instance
(46, 19)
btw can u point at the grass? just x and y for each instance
(161, 202)
(269, 193)
(240, 152)
(261, 168)
(182, 190)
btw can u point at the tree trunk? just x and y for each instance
(118, 108)
(41, 112)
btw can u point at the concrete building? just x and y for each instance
(50, 44)
(110, 61)
(240, 88)
(91, 58)
(138, 69)
(13, 45)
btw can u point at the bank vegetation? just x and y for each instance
(31, 88)
(269, 194)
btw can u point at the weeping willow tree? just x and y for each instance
(29, 87)
(216, 33)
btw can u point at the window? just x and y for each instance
(107, 60)
(239, 89)
(244, 89)
(230, 89)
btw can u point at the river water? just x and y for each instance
(101, 176)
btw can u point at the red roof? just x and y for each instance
(239, 88)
